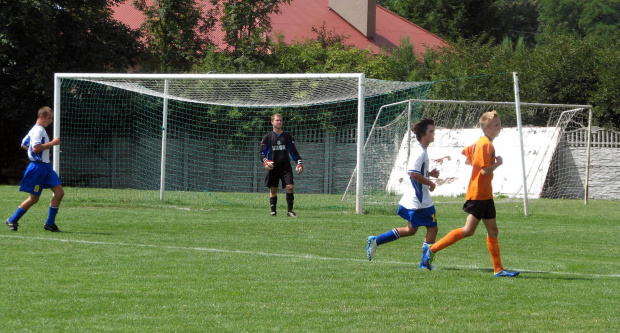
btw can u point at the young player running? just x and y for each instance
(479, 199)
(277, 149)
(39, 174)
(416, 205)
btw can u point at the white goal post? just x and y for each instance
(176, 108)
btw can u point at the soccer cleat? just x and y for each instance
(506, 273)
(424, 267)
(427, 257)
(371, 247)
(273, 213)
(291, 214)
(12, 225)
(52, 228)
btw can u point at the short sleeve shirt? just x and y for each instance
(417, 195)
(481, 154)
(37, 136)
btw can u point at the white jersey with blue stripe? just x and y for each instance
(416, 195)
(37, 136)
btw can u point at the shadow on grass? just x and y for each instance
(88, 233)
(523, 274)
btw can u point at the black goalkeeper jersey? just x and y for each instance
(279, 148)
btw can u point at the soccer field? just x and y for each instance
(196, 263)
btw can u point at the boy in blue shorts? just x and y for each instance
(416, 205)
(39, 173)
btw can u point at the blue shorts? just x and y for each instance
(424, 217)
(38, 176)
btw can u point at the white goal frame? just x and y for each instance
(166, 77)
(517, 104)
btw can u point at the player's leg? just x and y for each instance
(21, 210)
(426, 217)
(273, 200)
(289, 185)
(391, 235)
(388, 236)
(52, 181)
(429, 240)
(493, 246)
(474, 209)
(271, 182)
(32, 183)
(50, 223)
(290, 200)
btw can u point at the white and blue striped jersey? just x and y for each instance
(416, 195)
(37, 136)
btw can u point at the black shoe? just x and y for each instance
(291, 214)
(273, 213)
(52, 228)
(12, 225)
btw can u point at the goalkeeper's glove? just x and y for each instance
(299, 168)
(269, 164)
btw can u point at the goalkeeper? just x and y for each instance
(479, 203)
(277, 149)
(416, 205)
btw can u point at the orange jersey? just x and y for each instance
(481, 154)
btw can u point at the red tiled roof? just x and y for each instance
(297, 20)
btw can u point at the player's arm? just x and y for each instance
(495, 160)
(422, 180)
(264, 153)
(295, 155)
(45, 146)
(489, 170)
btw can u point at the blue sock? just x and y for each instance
(18, 214)
(387, 237)
(51, 217)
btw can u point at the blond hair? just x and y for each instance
(273, 116)
(487, 117)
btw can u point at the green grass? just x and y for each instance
(196, 264)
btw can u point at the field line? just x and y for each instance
(268, 254)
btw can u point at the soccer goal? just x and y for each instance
(546, 157)
(165, 133)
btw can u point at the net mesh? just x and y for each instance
(554, 136)
(112, 131)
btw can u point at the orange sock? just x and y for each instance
(493, 246)
(449, 239)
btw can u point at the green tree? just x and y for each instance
(246, 24)
(600, 18)
(41, 37)
(450, 19)
(176, 33)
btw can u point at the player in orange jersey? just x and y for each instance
(479, 199)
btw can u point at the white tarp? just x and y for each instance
(445, 155)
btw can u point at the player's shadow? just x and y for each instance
(88, 233)
(523, 274)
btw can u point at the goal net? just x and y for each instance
(156, 134)
(554, 148)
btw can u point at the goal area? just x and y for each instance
(159, 134)
(546, 157)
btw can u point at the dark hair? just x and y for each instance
(419, 128)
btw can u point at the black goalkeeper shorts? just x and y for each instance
(280, 172)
